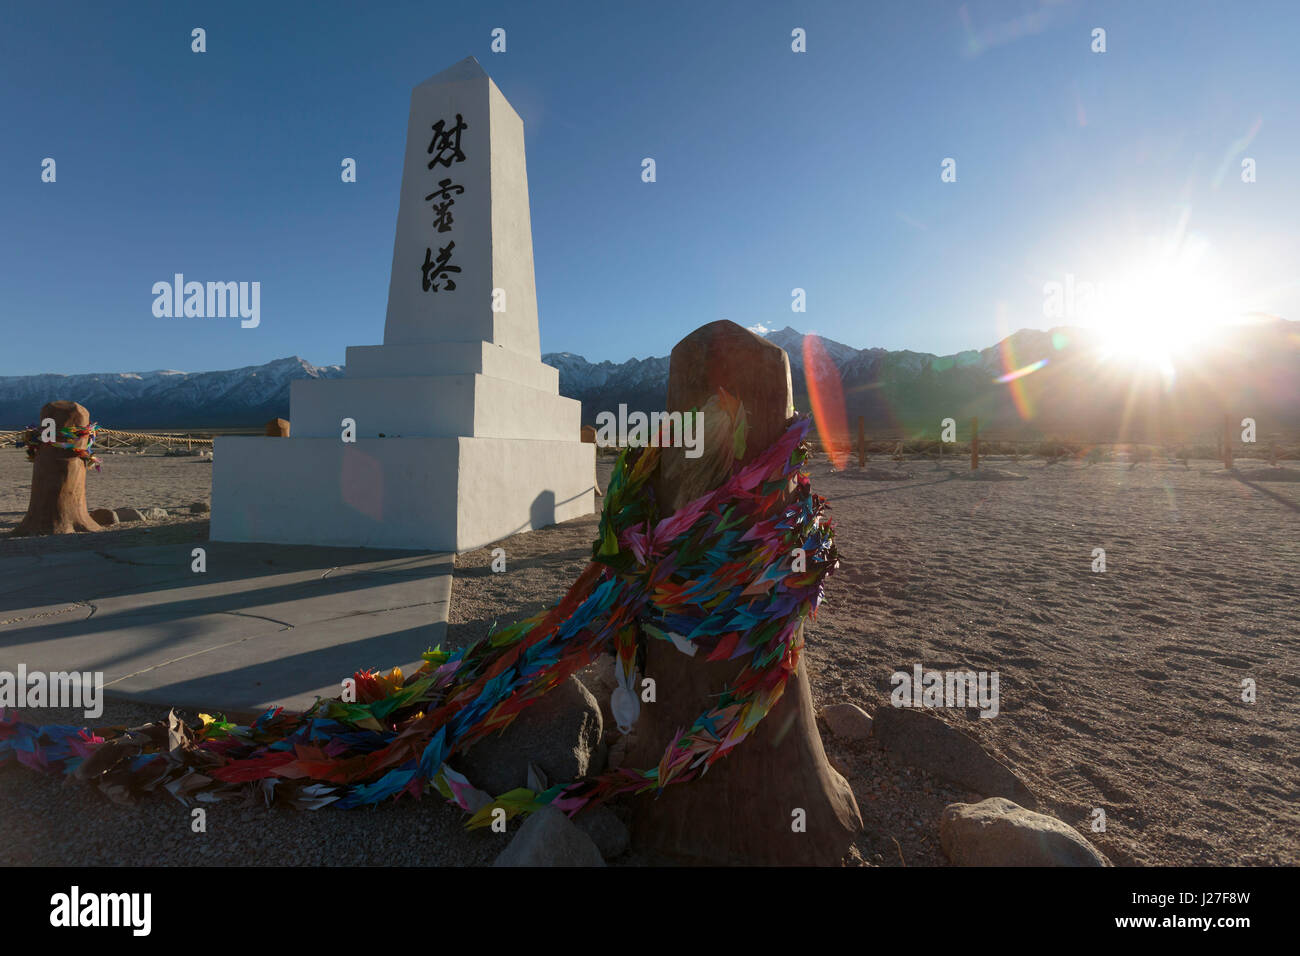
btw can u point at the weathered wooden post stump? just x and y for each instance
(58, 500)
(741, 811)
(588, 435)
(277, 428)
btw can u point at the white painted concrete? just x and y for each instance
(396, 493)
(492, 228)
(444, 406)
(266, 625)
(478, 442)
(451, 358)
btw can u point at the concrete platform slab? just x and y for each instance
(264, 625)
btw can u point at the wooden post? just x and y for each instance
(740, 812)
(974, 444)
(1227, 443)
(1272, 453)
(58, 501)
(588, 436)
(862, 442)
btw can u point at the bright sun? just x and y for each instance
(1163, 309)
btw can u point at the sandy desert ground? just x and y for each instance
(1119, 690)
(123, 481)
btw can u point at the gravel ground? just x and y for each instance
(76, 826)
(124, 481)
(900, 805)
(1117, 689)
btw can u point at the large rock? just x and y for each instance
(560, 733)
(598, 678)
(997, 832)
(847, 721)
(104, 516)
(155, 514)
(606, 830)
(926, 742)
(129, 514)
(277, 428)
(199, 508)
(549, 838)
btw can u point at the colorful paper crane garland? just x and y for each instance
(30, 438)
(717, 578)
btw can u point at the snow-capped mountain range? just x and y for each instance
(1077, 390)
(164, 398)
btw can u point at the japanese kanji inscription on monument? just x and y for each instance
(445, 149)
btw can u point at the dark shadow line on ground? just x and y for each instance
(1268, 491)
(167, 616)
(881, 491)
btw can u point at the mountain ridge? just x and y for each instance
(1076, 391)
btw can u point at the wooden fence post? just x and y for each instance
(974, 444)
(740, 812)
(58, 500)
(862, 442)
(587, 433)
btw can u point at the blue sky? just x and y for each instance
(776, 170)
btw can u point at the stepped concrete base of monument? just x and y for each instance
(437, 494)
(434, 406)
(451, 358)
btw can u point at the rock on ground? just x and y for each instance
(199, 508)
(560, 733)
(155, 514)
(104, 516)
(606, 830)
(997, 832)
(848, 721)
(921, 740)
(598, 677)
(549, 838)
(129, 514)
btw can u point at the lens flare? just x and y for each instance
(1020, 372)
(1013, 379)
(826, 395)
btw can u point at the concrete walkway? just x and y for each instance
(264, 625)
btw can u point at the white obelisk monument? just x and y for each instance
(452, 434)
